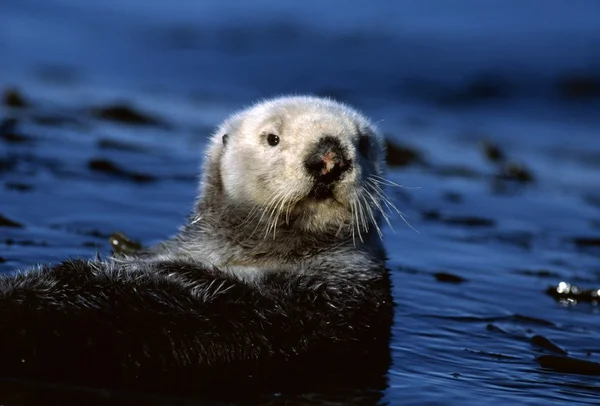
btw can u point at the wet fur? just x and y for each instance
(222, 305)
(174, 326)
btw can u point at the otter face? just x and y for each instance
(307, 161)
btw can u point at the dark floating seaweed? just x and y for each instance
(492, 151)
(568, 365)
(448, 277)
(583, 242)
(468, 221)
(506, 169)
(516, 171)
(495, 329)
(400, 155)
(18, 187)
(579, 87)
(107, 143)
(546, 344)
(13, 98)
(6, 222)
(122, 245)
(123, 113)
(109, 167)
(567, 293)
(10, 134)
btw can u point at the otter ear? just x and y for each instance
(225, 139)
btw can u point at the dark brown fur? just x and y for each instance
(179, 328)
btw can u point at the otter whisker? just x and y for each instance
(352, 222)
(378, 205)
(377, 189)
(273, 216)
(384, 181)
(357, 221)
(280, 207)
(264, 210)
(387, 182)
(270, 198)
(362, 209)
(271, 201)
(391, 205)
(272, 210)
(291, 206)
(369, 211)
(363, 219)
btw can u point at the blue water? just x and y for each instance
(436, 75)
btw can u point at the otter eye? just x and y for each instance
(363, 145)
(273, 139)
(225, 139)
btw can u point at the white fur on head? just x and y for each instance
(256, 174)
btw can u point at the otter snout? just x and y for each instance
(328, 161)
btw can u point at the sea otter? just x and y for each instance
(278, 277)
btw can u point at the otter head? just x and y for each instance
(306, 162)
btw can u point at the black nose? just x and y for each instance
(328, 161)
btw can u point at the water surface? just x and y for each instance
(470, 273)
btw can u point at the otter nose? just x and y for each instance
(327, 162)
